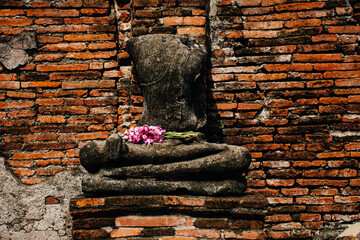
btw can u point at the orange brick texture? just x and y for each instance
(284, 83)
(69, 91)
(176, 218)
(283, 80)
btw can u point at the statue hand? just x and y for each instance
(114, 146)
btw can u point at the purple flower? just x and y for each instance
(145, 134)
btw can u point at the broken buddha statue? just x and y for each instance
(169, 70)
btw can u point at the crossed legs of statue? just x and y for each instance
(171, 167)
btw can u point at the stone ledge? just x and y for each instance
(168, 217)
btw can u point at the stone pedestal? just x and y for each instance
(169, 217)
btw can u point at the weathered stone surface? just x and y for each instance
(169, 69)
(24, 212)
(171, 167)
(352, 232)
(93, 155)
(95, 184)
(229, 163)
(13, 54)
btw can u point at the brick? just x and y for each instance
(322, 182)
(89, 202)
(280, 200)
(336, 66)
(348, 82)
(226, 70)
(177, 238)
(90, 234)
(303, 23)
(299, 6)
(52, 12)
(287, 226)
(280, 182)
(247, 224)
(280, 85)
(49, 102)
(294, 191)
(102, 46)
(49, 200)
(61, 68)
(211, 223)
(61, 29)
(11, 12)
(49, 57)
(257, 11)
(191, 31)
(145, 13)
(343, 29)
(198, 233)
(11, 85)
(40, 84)
(84, 136)
(192, 21)
(278, 218)
(146, 3)
(91, 55)
(317, 57)
(315, 200)
(245, 235)
(276, 164)
(272, 2)
(51, 119)
(49, 21)
(88, 84)
(96, 3)
(8, 77)
(62, 110)
(23, 172)
(324, 38)
(49, 146)
(333, 100)
(192, 3)
(198, 202)
(320, 84)
(71, 4)
(95, 12)
(15, 22)
(260, 34)
(75, 75)
(49, 39)
(12, 105)
(355, 182)
(89, 37)
(20, 164)
(327, 155)
(149, 221)
(263, 25)
(21, 113)
(342, 74)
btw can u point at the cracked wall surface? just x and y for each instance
(25, 213)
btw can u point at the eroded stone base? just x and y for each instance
(97, 185)
(169, 217)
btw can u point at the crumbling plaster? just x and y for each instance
(24, 213)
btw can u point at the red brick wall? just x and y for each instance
(283, 81)
(67, 93)
(132, 217)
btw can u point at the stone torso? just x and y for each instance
(169, 74)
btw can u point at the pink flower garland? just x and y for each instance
(145, 134)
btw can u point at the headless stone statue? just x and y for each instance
(169, 70)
